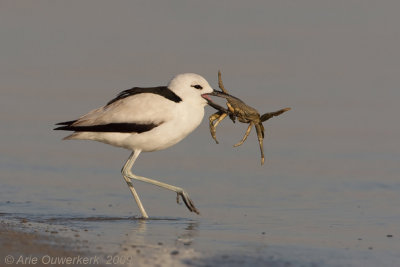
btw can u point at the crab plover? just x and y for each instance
(145, 120)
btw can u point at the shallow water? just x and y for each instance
(323, 199)
(274, 214)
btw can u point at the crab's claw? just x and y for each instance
(215, 93)
(218, 107)
(221, 94)
(213, 104)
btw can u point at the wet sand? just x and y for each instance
(39, 248)
(55, 242)
(30, 243)
(24, 244)
(37, 244)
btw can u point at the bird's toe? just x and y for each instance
(188, 202)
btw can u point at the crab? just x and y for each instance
(243, 112)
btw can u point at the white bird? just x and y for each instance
(144, 120)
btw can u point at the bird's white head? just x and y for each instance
(190, 87)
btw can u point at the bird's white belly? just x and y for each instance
(178, 126)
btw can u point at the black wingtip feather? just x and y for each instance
(66, 123)
(111, 127)
(65, 128)
(159, 90)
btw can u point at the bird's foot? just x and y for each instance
(188, 202)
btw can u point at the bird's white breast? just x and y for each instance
(183, 119)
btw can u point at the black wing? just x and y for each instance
(124, 127)
(111, 127)
(160, 90)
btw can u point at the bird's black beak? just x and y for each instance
(218, 94)
(215, 93)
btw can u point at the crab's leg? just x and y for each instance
(220, 83)
(260, 135)
(223, 116)
(215, 119)
(231, 111)
(217, 107)
(230, 108)
(245, 135)
(267, 116)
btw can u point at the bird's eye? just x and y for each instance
(197, 86)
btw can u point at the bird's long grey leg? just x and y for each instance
(125, 173)
(180, 192)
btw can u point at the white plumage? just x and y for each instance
(147, 119)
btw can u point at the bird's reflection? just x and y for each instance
(158, 232)
(188, 235)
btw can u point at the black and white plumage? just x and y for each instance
(146, 119)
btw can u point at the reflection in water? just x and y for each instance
(137, 235)
(186, 238)
(146, 232)
(158, 242)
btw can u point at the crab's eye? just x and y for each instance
(197, 86)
